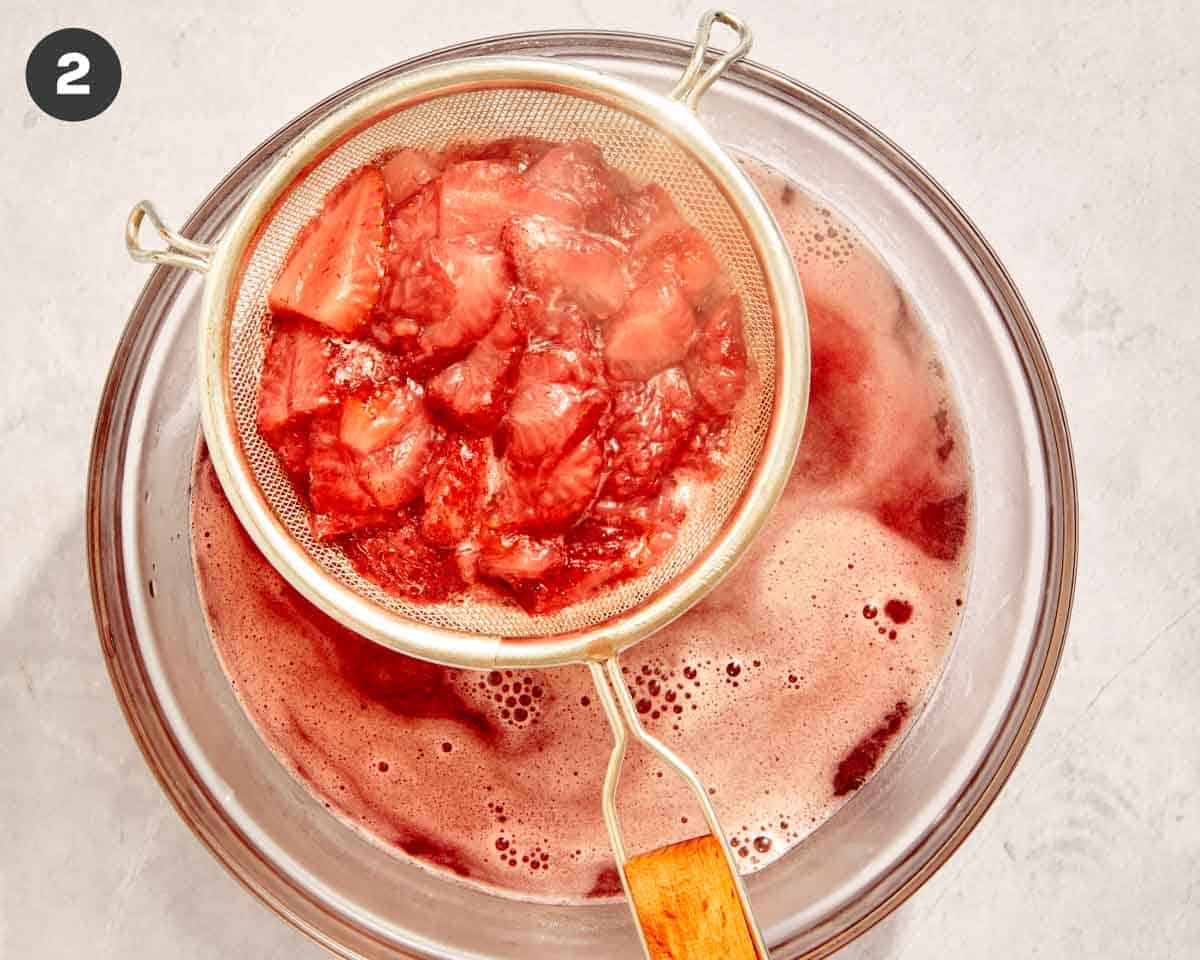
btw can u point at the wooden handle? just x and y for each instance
(687, 903)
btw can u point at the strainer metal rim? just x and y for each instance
(675, 120)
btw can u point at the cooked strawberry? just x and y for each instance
(654, 519)
(392, 441)
(291, 447)
(654, 328)
(295, 381)
(517, 558)
(560, 496)
(587, 268)
(418, 287)
(691, 258)
(415, 288)
(339, 500)
(399, 560)
(475, 392)
(650, 425)
(479, 274)
(415, 220)
(716, 364)
(554, 404)
(519, 151)
(576, 170)
(557, 320)
(371, 423)
(639, 219)
(407, 171)
(595, 554)
(551, 496)
(395, 474)
(454, 492)
(333, 272)
(479, 196)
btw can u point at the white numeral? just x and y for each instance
(68, 83)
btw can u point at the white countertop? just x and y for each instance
(1071, 137)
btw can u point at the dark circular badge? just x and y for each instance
(73, 74)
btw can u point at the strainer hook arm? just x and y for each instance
(696, 79)
(179, 252)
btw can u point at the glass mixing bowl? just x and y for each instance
(358, 900)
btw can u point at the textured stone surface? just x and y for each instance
(1068, 131)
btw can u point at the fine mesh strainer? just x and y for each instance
(651, 138)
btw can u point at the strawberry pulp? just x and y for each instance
(495, 370)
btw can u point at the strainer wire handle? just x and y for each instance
(180, 251)
(696, 79)
(623, 718)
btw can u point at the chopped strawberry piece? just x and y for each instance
(479, 196)
(370, 459)
(587, 268)
(295, 381)
(596, 554)
(395, 475)
(552, 496)
(640, 219)
(415, 220)
(333, 272)
(519, 151)
(454, 492)
(517, 558)
(554, 404)
(653, 519)
(442, 296)
(291, 447)
(418, 285)
(650, 424)
(557, 320)
(475, 392)
(716, 364)
(688, 254)
(407, 171)
(393, 439)
(416, 288)
(368, 424)
(576, 170)
(340, 502)
(400, 560)
(480, 278)
(653, 330)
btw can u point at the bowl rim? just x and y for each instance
(163, 287)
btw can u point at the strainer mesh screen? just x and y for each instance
(630, 145)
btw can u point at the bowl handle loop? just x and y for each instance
(696, 79)
(179, 252)
(687, 898)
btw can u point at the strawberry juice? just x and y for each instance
(785, 689)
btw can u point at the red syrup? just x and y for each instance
(786, 689)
